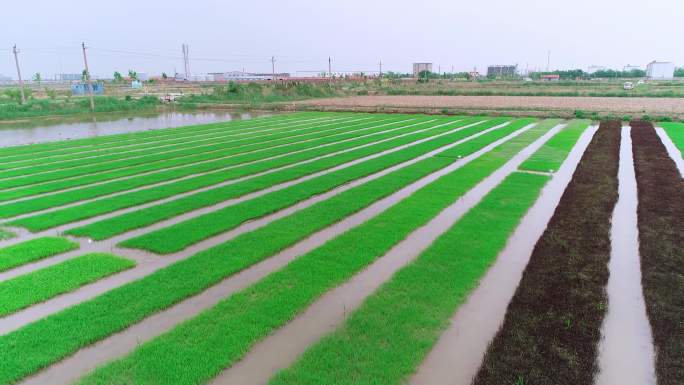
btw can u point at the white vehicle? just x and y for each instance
(628, 86)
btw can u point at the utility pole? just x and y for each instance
(273, 60)
(548, 61)
(186, 61)
(330, 69)
(380, 67)
(90, 83)
(21, 82)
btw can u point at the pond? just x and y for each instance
(42, 130)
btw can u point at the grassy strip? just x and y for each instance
(100, 142)
(106, 205)
(552, 326)
(213, 168)
(552, 155)
(148, 153)
(29, 289)
(33, 250)
(223, 148)
(179, 236)
(142, 143)
(273, 301)
(185, 166)
(41, 343)
(676, 133)
(661, 245)
(385, 340)
(268, 203)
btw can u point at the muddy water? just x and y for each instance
(283, 347)
(626, 354)
(672, 150)
(148, 263)
(457, 355)
(119, 344)
(13, 134)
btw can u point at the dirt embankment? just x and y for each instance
(661, 245)
(552, 327)
(513, 105)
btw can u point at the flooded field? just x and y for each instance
(335, 248)
(43, 130)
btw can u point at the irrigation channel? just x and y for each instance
(288, 249)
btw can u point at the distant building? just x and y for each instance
(499, 70)
(420, 67)
(550, 77)
(5, 79)
(660, 70)
(82, 89)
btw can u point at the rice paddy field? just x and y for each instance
(346, 248)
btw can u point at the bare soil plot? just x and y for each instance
(548, 105)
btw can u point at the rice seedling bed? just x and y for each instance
(41, 343)
(223, 220)
(33, 250)
(385, 340)
(557, 149)
(38, 286)
(275, 300)
(215, 172)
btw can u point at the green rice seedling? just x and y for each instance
(38, 286)
(675, 131)
(273, 301)
(262, 205)
(385, 340)
(215, 171)
(106, 205)
(33, 250)
(553, 153)
(46, 341)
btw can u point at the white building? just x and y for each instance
(420, 67)
(660, 70)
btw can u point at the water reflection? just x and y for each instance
(12, 134)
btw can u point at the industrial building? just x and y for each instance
(499, 70)
(660, 70)
(420, 67)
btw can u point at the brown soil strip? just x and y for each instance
(626, 350)
(552, 326)
(457, 356)
(661, 245)
(149, 263)
(75, 366)
(547, 105)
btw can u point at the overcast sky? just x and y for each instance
(229, 35)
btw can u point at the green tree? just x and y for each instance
(679, 72)
(164, 76)
(37, 78)
(84, 75)
(117, 77)
(132, 75)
